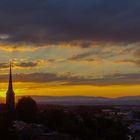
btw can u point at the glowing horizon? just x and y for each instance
(35, 89)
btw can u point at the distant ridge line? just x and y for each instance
(88, 100)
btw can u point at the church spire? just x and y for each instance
(10, 95)
(10, 87)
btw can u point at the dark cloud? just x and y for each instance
(4, 65)
(27, 64)
(81, 56)
(56, 21)
(92, 55)
(19, 64)
(135, 62)
(116, 79)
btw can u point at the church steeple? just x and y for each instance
(10, 95)
(10, 87)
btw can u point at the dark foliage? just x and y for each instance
(26, 109)
(83, 126)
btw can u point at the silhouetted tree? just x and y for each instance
(26, 109)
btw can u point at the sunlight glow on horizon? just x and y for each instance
(36, 89)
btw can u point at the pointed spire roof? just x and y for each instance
(10, 87)
(10, 95)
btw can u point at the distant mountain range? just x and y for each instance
(87, 100)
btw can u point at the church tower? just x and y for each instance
(10, 95)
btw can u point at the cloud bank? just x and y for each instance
(57, 21)
(116, 79)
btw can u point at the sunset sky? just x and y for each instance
(70, 47)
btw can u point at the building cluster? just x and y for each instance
(129, 116)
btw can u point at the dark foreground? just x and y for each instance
(52, 122)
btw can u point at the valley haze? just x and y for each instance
(87, 100)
